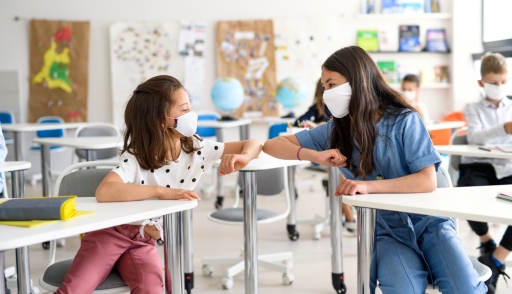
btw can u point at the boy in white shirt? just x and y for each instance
(490, 123)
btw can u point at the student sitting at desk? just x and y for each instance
(320, 114)
(411, 91)
(161, 158)
(490, 123)
(382, 146)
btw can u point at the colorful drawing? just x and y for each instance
(138, 52)
(245, 51)
(58, 69)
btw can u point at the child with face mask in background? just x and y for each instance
(161, 158)
(381, 145)
(490, 123)
(411, 91)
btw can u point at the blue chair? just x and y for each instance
(205, 132)
(54, 133)
(7, 117)
(276, 129)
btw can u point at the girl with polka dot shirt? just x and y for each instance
(161, 158)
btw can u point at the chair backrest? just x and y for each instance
(268, 182)
(443, 178)
(457, 139)
(205, 131)
(275, 129)
(98, 130)
(82, 182)
(50, 133)
(6, 117)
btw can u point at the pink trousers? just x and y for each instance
(135, 258)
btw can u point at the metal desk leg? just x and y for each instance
(173, 252)
(365, 229)
(2, 268)
(291, 223)
(17, 146)
(250, 232)
(46, 170)
(22, 257)
(338, 278)
(188, 250)
(220, 180)
(244, 132)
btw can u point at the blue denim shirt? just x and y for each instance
(3, 155)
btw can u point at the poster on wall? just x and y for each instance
(245, 51)
(191, 47)
(302, 45)
(59, 56)
(139, 51)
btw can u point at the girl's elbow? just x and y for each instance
(101, 194)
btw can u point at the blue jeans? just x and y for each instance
(411, 248)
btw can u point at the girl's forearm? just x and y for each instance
(421, 182)
(118, 192)
(282, 148)
(252, 148)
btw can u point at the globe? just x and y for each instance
(291, 92)
(227, 94)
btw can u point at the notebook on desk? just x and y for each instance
(505, 148)
(505, 196)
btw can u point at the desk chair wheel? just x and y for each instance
(207, 270)
(338, 282)
(218, 202)
(46, 245)
(293, 234)
(227, 283)
(288, 279)
(160, 242)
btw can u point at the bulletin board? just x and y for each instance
(245, 51)
(59, 57)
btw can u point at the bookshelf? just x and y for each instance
(404, 16)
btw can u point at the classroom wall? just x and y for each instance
(101, 13)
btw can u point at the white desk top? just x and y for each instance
(107, 215)
(31, 127)
(471, 150)
(218, 124)
(473, 203)
(272, 119)
(265, 161)
(89, 143)
(445, 125)
(14, 166)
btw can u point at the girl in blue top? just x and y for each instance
(382, 146)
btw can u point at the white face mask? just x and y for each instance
(410, 95)
(186, 124)
(495, 92)
(337, 99)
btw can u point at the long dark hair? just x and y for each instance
(146, 112)
(319, 99)
(371, 98)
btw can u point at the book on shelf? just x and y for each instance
(435, 75)
(409, 38)
(368, 40)
(441, 74)
(369, 6)
(388, 40)
(436, 40)
(389, 70)
(402, 6)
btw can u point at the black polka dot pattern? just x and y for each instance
(203, 158)
(142, 182)
(189, 167)
(202, 166)
(117, 166)
(194, 180)
(182, 181)
(216, 147)
(168, 186)
(152, 170)
(126, 160)
(167, 170)
(198, 152)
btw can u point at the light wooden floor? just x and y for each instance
(312, 258)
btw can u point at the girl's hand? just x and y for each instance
(152, 231)
(232, 162)
(351, 187)
(177, 194)
(331, 157)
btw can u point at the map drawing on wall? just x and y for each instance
(59, 54)
(245, 51)
(139, 51)
(302, 44)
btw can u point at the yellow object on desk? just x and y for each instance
(37, 223)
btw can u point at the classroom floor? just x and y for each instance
(312, 258)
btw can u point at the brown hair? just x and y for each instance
(493, 63)
(371, 98)
(146, 111)
(319, 99)
(413, 79)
